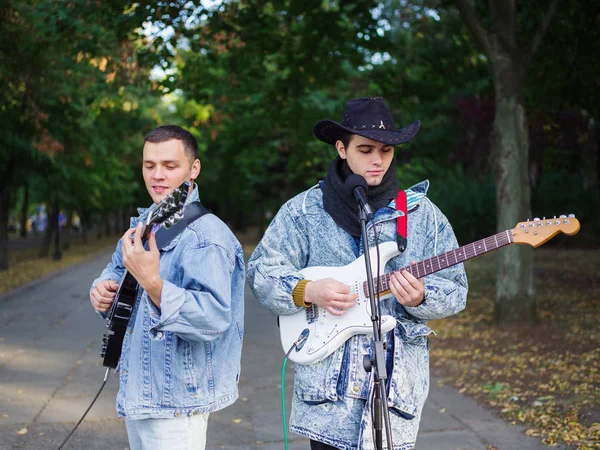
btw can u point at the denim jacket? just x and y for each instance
(332, 397)
(184, 358)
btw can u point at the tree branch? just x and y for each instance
(541, 31)
(470, 18)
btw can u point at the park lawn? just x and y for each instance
(25, 265)
(545, 377)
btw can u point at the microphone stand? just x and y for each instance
(380, 403)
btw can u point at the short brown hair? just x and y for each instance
(168, 132)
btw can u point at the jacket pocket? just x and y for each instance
(189, 368)
(410, 374)
(317, 383)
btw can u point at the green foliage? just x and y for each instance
(467, 202)
(564, 193)
(267, 72)
(70, 118)
(250, 79)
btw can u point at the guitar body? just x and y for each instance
(326, 332)
(117, 320)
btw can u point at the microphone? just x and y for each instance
(357, 186)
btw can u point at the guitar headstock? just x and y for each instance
(170, 210)
(537, 231)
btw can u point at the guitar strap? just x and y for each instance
(401, 221)
(191, 212)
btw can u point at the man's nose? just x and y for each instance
(377, 158)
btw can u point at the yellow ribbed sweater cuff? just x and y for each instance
(298, 294)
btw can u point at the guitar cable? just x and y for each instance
(301, 339)
(88, 409)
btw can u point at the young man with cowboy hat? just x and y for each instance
(320, 227)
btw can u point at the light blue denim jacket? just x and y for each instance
(330, 396)
(184, 359)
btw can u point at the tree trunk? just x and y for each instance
(24, 209)
(515, 293)
(107, 229)
(85, 225)
(509, 59)
(589, 159)
(4, 208)
(51, 228)
(66, 232)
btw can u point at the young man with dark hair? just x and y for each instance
(320, 227)
(181, 354)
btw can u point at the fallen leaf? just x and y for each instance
(443, 410)
(22, 431)
(237, 420)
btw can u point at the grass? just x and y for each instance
(25, 265)
(546, 377)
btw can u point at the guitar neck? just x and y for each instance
(448, 259)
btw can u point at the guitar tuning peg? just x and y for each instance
(571, 216)
(544, 218)
(536, 219)
(562, 216)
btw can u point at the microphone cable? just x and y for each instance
(87, 410)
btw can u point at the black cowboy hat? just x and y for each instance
(368, 117)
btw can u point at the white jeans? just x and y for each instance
(177, 433)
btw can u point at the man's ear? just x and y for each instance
(339, 146)
(196, 166)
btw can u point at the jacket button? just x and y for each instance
(356, 389)
(177, 414)
(159, 334)
(195, 413)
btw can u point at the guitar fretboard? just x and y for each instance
(447, 259)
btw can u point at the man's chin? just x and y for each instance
(157, 198)
(374, 181)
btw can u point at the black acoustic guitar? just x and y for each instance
(168, 212)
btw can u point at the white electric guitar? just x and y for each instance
(322, 332)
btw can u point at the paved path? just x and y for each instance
(50, 370)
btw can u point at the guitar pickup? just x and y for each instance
(312, 313)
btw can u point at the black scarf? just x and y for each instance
(343, 207)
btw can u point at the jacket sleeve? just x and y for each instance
(274, 267)
(446, 290)
(198, 306)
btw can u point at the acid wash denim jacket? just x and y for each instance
(331, 402)
(184, 358)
